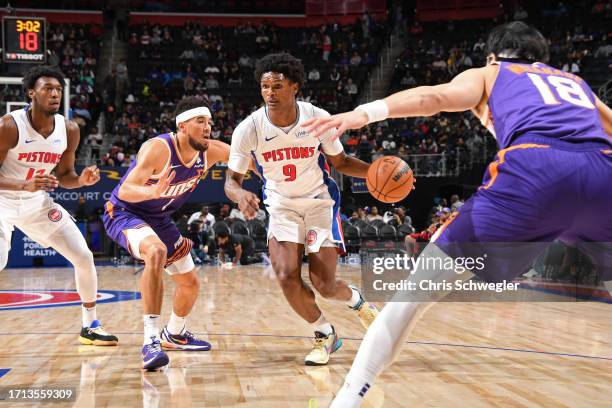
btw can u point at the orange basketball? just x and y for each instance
(389, 179)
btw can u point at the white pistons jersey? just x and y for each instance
(34, 154)
(288, 159)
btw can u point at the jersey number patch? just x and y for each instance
(290, 172)
(566, 88)
(32, 172)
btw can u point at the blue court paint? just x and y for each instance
(3, 371)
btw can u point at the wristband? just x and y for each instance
(376, 111)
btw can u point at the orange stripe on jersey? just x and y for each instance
(440, 230)
(607, 151)
(109, 207)
(501, 158)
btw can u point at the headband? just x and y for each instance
(192, 113)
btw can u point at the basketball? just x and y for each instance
(389, 179)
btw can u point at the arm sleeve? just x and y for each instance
(244, 141)
(331, 148)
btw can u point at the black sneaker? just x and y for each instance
(95, 335)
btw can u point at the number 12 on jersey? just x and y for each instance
(32, 172)
(290, 172)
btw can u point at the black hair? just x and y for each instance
(519, 40)
(222, 233)
(32, 75)
(282, 63)
(188, 103)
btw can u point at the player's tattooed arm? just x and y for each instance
(247, 201)
(9, 136)
(151, 160)
(65, 172)
(351, 166)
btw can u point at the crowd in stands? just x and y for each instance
(216, 63)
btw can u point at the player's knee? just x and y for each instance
(191, 282)
(287, 279)
(155, 253)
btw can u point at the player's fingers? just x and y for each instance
(171, 176)
(308, 123)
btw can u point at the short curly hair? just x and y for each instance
(282, 63)
(30, 77)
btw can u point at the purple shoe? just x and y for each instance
(183, 341)
(153, 356)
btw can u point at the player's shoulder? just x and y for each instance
(250, 123)
(7, 123)
(9, 133)
(71, 127)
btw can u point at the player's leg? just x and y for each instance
(286, 258)
(187, 286)
(50, 225)
(532, 217)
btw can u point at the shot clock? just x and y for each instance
(24, 39)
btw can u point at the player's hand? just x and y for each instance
(341, 122)
(89, 176)
(45, 182)
(248, 204)
(163, 183)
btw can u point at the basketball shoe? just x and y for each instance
(323, 347)
(153, 356)
(366, 311)
(184, 341)
(95, 335)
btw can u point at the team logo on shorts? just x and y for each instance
(55, 215)
(311, 237)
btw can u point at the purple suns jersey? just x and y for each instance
(187, 177)
(538, 100)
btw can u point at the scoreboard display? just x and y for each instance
(24, 39)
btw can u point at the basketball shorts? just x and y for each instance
(128, 230)
(536, 191)
(38, 217)
(312, 222)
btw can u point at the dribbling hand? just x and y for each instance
(248, 204)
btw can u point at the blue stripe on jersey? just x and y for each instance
(261, 173)
(334, 193)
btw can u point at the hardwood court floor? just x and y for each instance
(460, 354)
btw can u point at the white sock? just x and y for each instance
(355, 298)
(89, 315)
(176, 325)
(151, 328)
(321, 325)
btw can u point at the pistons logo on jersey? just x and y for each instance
(55, 215)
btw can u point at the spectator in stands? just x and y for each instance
(236, 248)
(94, 139)
(203, 215)
(224, 212)
(202, 244)
(314, 75)
(374, 215)
(456, 202)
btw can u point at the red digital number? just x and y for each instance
(28, 41)
(290, 171)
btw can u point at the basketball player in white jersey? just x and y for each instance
(34, 142)
(300, 195)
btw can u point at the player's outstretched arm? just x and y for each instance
(605, 114)
(151, 160)
(8, 139)
(247, 202)
(65, 172)
(463, 93)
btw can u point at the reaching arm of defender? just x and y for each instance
(605, 114)
(463, 93)
(9, 137)
(65, 172)
(151, 160)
